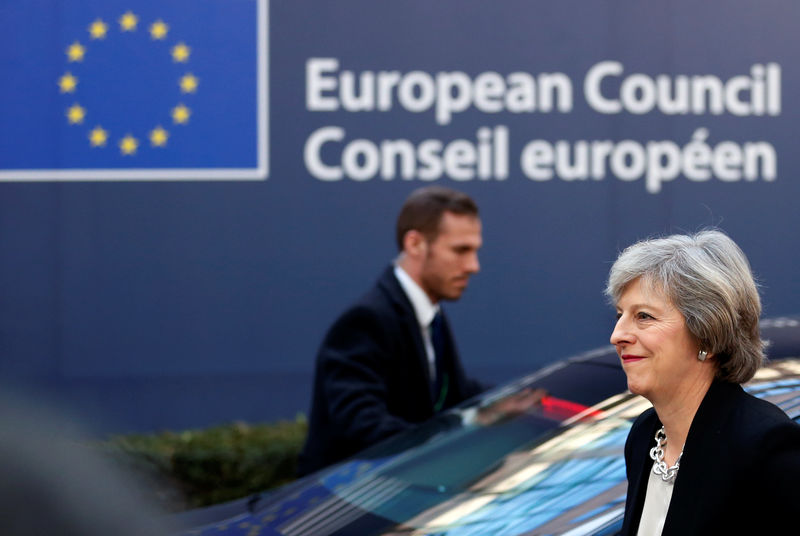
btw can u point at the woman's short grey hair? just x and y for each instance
(708, 279)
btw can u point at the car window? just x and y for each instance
(555, 468)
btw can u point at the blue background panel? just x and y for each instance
(158, 304)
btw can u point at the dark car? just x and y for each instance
(489, 467)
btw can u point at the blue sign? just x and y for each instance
(114, 90)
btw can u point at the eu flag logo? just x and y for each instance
(133, 90)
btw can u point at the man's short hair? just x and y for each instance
(424, 208)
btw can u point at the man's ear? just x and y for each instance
(414, 244)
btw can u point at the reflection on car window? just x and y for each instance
(531, 469)
(546, 470)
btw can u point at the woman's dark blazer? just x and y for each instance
(739, 474)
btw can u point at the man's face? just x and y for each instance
(452, 257)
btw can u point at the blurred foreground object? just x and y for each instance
(52, 482)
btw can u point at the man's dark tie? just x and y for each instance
(440, 383)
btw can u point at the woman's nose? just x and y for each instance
(621, 333)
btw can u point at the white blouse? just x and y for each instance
(656, 504)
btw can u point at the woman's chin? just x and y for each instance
(635, 388)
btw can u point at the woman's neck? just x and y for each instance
(677, 412)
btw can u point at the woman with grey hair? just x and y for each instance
(708, 458)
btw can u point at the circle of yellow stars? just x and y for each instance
(76, 114)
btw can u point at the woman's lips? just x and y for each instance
(628, 358)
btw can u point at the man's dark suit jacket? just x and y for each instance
(372, 379)
(739, 474)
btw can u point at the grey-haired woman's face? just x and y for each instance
(657, 351)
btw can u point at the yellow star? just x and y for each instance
(75, 52)
(67, 83)
(128, 21)
(180, 53)
(180, 114)
(159, 29)
(98, 29)
(98, 137)
(188, 83)
(128, 145)
(158, 137)
(75, 114)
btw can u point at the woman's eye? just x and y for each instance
(643, 316)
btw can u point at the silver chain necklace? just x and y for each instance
(660, 468)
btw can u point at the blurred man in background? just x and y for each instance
(390, 361)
